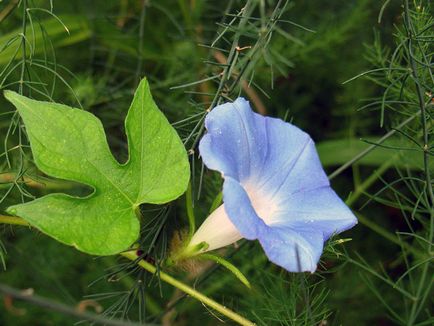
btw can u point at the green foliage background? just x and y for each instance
(296, 57)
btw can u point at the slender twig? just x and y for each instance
(366, 151)
(389, 235)
(131, 255)
(64, 309)
(415, 309)
(190, 211)
(23, 46)
(359, 190)
(420, 93)
(251, 93)
(13, 220)
(367, 222)
(8, 9)
(39, 183)
(245, 13)
(141, 37)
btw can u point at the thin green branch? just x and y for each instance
(144, 3)
(64, 309)
(23, 46)
(370, 180)
(131, 255)
(363, 153)
(385, 279)
(190, 212)
(388, 235)
(231, 61)
(13, 220)
(417, 303)
(221, 261)
(420, 92)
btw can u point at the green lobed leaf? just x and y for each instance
(71, 144)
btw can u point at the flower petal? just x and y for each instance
(295, 250)
(240, 210)
(235, 143)
(267, 152)
(316, 209)
(290, 161)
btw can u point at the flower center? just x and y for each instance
(265, 206)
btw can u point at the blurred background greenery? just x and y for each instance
(291, 60)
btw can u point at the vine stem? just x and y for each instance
(14, 220)
(131, 255)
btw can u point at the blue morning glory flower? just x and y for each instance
(275, 189)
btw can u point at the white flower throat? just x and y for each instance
(218, 231)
